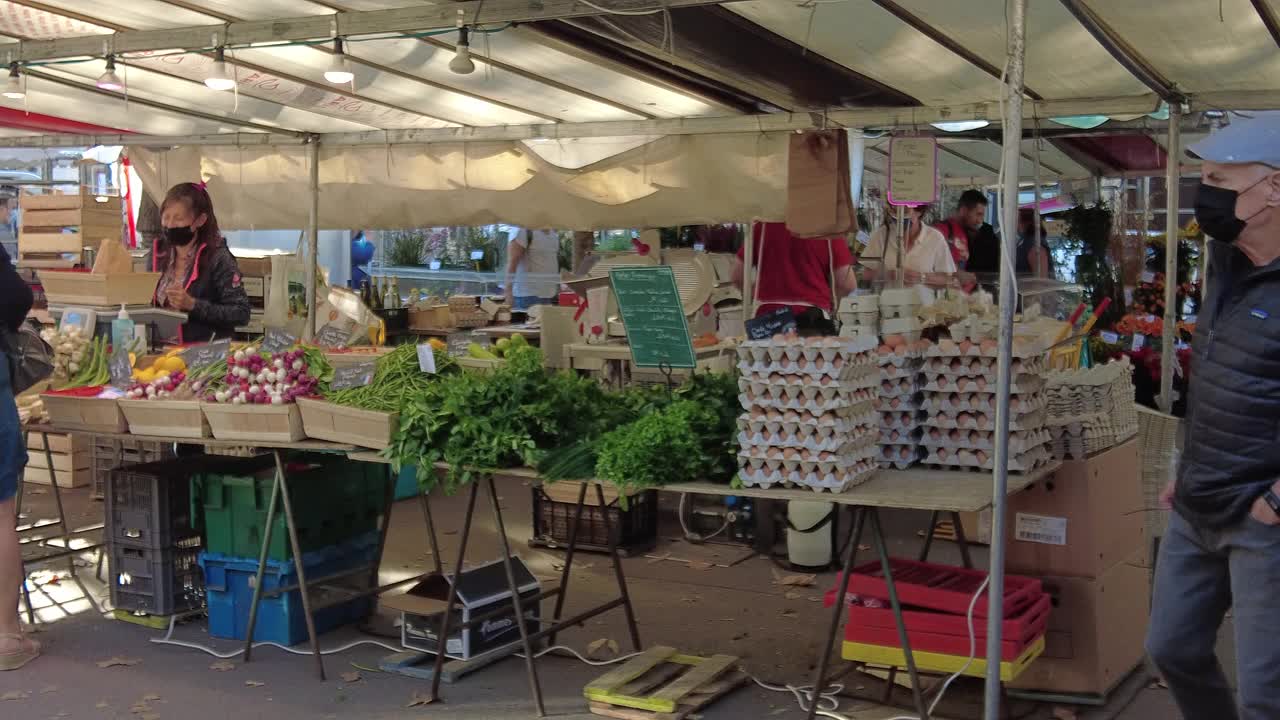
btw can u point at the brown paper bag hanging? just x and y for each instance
(112, 258)
(819, 197)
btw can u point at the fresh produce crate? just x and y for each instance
(229, 585)
(50, 242)
(940, 587)
(132, 452)
(334, 500)
(58, 442)
(65, 287)
(172, 418)
(634, 529)
(69, 201)
(87, 414)
(337, 423)
(66, 478)
(271, 423)
(61, 461)
(940, 663)
(434, 317)
(157, 581)
(480, 364)
(149, 504)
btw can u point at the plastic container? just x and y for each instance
(122, 330)
(157, 581)
(635, 529)
(229, 587)
(939, 587)
(334, 500)
(149, 505)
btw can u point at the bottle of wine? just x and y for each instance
(366, 295)
(395, 293)
(377, 295)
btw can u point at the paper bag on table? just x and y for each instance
(112, 258)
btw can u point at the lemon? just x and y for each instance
(173, 364)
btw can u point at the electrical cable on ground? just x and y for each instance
(690, 535)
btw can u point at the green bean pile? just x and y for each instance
(397, 379)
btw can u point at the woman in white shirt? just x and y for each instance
(920, 257)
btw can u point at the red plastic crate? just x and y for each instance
(947, 633)
(940, 587)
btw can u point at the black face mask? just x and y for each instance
(179, 236)
(1216, 211)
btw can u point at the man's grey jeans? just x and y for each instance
(1199, 576)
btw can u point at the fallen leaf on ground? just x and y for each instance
(150, 698)
(793, 580)
(49, 690)
(557, 566)
(120, 661)
(253, 683)
(792, 595)
(596, 646)
(788, 613)
(140, 708)
(222, 666)
(450, 532)
(657, 558)
(351, 677)
(103, 705)
(1063, 713)
(864, 548)
(149, 716)
(417, 699)
(15, 695)
(701, 565)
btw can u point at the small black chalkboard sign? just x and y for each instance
(202, 356)
(778, 322)
(353, 376)
(121, 369)
(276, 340)
(332, 337)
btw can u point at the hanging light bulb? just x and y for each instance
(109, 80)
(13, 88)
(339, 72)
(219, 77)
(462, 63)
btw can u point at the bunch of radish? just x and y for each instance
(255, 378)
(169, 386)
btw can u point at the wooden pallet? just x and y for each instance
(661, 684)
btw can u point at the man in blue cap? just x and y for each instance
(1222, 549)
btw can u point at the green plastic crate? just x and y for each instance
(334, 500)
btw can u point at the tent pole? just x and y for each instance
(1171, 229)
(1035, 139)
(749, 273)
(1016, 11)
(313, 236)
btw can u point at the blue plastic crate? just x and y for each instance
(229, 592)
(407, 482)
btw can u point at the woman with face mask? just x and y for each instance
(198, 274)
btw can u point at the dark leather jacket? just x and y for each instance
(215, 283)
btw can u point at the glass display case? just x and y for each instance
(1056, 299)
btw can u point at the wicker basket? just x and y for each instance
(1158, 442)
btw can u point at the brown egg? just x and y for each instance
(964, 418)
(775, 416)
(789, 454)
(962, 383)
(956, 365)
(982, 383)
(778, 339)
(894, 403)
(955, 400)
(965, 346)
(987, 346)
(838, 362)
(819, 362)
(784, 362)
(802, 362)
(942, 453)
(935, 433)
(905, 453)
(981, 456)
(894, 341)
(757, 414)
(886, 386)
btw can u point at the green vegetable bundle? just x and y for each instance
(93, 370)
(397, 379)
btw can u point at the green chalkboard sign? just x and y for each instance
(653, 314)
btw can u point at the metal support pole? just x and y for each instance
(1037, 250)
(749, 273)
(313, 236)
(1172, 178)
(1016, 11)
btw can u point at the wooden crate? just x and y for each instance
(99, 289)
(355, 356)
(271, 423)
(566, 491)
(436, 317)
(100, 415)
(49, 243)
(44, 261)
(336, 423)
(72, 479)
(168, 418)
(92, 217)
(59, 442)
(661, 684)
(61, 461)
(479, 364)
(69, 201)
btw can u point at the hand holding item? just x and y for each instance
(1263, 512)
(177, 298)
(1166, 496)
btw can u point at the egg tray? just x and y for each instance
(811, 348)
(905, 387)
(817, 405)
(1020, 385)
(898, 312)
(768, 383)
(901, 420)
(899, 453)
(826, 424)
(984, 421)
(984, 402)
(951, 349)
(869, 317)
(908, 369)
(861, 331)
(759, 444)
(860, 304)
(899, 436)
(898, 403)
(955, 439)
(968, 459)
(975, 366)
(832, 482)
(843, 461)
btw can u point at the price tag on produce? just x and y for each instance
(202, 356)
(121, 369)
(778, 322)
(332, 337)
(353, 376)
(1139, 340)
(427, 358)
(1148, 277)
(1109, 338)
(275, 340)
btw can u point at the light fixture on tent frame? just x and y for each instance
(109, 80)
(219, 77)
(462, 64)
(14, 87)
(339, 72)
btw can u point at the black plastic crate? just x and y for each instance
(149, 504)
(157, 581)
(635, 529)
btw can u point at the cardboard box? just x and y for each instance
(481, 590)
(1082, 520)
(1096, 631)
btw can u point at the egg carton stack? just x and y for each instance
(808, 417)
(899, 308)
(1091, 409)
(898, 402)
(860, 316)
(958, 401)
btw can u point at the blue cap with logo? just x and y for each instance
(1252, 137)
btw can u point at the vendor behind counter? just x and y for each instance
(804, 274)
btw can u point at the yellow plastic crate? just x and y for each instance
(940, 662)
